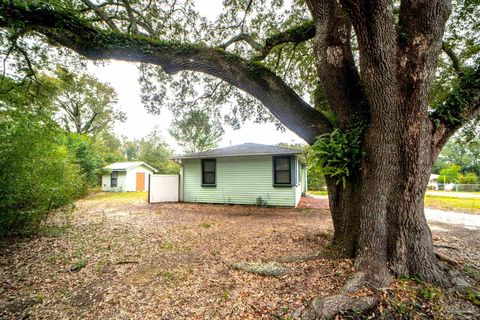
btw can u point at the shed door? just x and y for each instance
(140, 181)
(163, 188)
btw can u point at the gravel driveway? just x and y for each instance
(469, 221)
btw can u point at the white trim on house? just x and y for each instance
(125, 166)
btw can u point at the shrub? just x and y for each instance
(468, 178)
(37, 170)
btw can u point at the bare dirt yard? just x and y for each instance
(121, 258)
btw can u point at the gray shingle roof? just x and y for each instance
(245, 149)
(128, 165)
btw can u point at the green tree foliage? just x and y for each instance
(86, 105)
(463, 152)
(109, 148)
(85, 156)
(196, 131)
(336, 154)
(450, 174)
(38, 171)
(468, 178)
(131, 149)
(154, 151)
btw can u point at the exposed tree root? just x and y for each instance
(344, 302)
(445, 258)
(326, 308)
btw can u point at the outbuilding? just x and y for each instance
(126, 176)
(249, 173)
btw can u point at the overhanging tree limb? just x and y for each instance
(461, 106)
(453, 58)
(99, 12)
(253, 78)
(296, 35)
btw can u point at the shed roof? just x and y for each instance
(128, 165)
(246, 149)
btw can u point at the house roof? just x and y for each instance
(246, 149)
(128, 165)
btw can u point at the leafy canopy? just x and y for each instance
(86, 105)
(195, 131)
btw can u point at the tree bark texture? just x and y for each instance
(379, 216)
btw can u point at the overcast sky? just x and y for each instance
(123, 77)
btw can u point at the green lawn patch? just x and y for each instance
(318, 192)
(118, 196)
(470, 205)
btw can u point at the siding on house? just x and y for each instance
(122, 177)
(239, 180)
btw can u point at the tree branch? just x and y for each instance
(99, 12)
(242, 37)
(296, 35)
(461, 106)
(241, 24)
(253, 78)
(205, 95)
(453, 57)
(336, 67)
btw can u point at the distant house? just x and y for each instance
(126, 176)
(433, 181)
(244, 174)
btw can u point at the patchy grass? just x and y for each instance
(415, 299)
(318, 192)
(118, 196)
(411, 299)
(470, 205)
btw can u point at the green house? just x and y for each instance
(244, 174)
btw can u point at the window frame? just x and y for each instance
(112, 179)
(299, 173)
(291, 172)
(214, 184)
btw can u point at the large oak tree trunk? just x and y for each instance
(379, 215)
(345, 213)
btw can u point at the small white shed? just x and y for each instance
(126, 176)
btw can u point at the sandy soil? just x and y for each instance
(168, 261)
(121, 258)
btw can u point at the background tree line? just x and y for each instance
(459, 161)
(55, 136)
